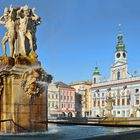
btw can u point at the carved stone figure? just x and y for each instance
(21, 24)
(9, 36)
(34, 22)
(109, 107)
(32, 82)
(27, 27)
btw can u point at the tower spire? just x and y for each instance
(96, 64)
(120, 45)
(119, 28)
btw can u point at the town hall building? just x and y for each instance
(121, 87)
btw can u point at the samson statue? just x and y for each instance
(20, 23)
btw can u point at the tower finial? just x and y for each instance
(120, 28)
(96, 64)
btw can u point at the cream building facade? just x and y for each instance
(124, 89)
(53, 100)
(85, 103)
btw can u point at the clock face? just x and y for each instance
(118, 55)
(124, 55)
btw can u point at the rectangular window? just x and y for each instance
(114, 102)
(64, 97)
(123, 101)
(94, 80)
(118, 75)
(56, 105)
(98, 103)
(103, 103)
(61, 97)
(68, 105)
(137, 90)
(62, 105)
(52, 104)
(128, 101)
(102, 94)
(118, 112)
(94, 103)
(137, 100)
(118, 101)
(68, 98)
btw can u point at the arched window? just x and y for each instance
(94, 80)
(118, 75)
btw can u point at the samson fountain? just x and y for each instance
(23, 82)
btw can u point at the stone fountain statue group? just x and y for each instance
(20, 23)
(23, 82)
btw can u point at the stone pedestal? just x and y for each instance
(23, 96)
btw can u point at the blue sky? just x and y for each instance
(75, 34)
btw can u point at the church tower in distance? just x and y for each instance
(119, 70)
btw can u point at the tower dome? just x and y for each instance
(96, 75)
(120, 45)
(96, 71)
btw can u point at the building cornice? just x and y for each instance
(127, 81)
(61, 88)
(80, 83)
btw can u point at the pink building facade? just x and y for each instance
(67, 101)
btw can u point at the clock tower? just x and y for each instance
(119, 70)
